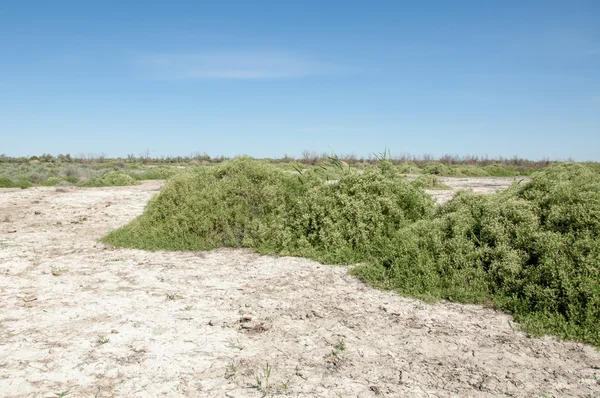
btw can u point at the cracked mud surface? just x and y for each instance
(81, 319)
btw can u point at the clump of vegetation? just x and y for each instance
(471, 171)
(533, 250)
(429, 181)
(211, 207)
(408, 168)
(50, 181)
(8, 183)
(349, 221)
(245, 203)
(439, 169)
(109, 179)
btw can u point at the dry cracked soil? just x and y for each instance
(80, 319)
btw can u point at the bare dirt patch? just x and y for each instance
(81, 319)
(485, 185)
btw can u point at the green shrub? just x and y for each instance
(6, 182)
(498, 170)
(234, 204)
(252, 204)
(429, 181)
(439, 169)
(110, 178)
(51, 181)
(347, 221)
(471, 171)
(408, 168)
(72, 179)
(533, 249)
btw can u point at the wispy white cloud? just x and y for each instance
(235, 65)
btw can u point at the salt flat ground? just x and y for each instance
(80, 319)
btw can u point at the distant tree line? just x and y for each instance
(307, 157)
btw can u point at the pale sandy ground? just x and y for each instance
(79, 319)
(485, 185)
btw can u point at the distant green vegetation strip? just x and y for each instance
(25, 175)
(533, 250)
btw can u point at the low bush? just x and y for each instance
(471, 171)
(429, 181)
(37, 177)
(252, 204)
(533, 250)
(6, 182)
(439, 169)
(110, 178)
(50, 182)
(408, 168)
(347, 222)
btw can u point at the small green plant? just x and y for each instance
(230, 370)
(235, 345)
(263, 380)
(101, 340)
(173, 296)
(284, 386)
(339, 347)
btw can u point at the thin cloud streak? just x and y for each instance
(235, 65)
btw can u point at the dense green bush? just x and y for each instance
(346, 222)
(471, 171)
(6, 182)
(252, 204)
(51, 181)
(110, 178)
(439, 169)
(408, 168)
(533, 250)
(429, 181)
(230, 205)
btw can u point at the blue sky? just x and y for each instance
(268, 78)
